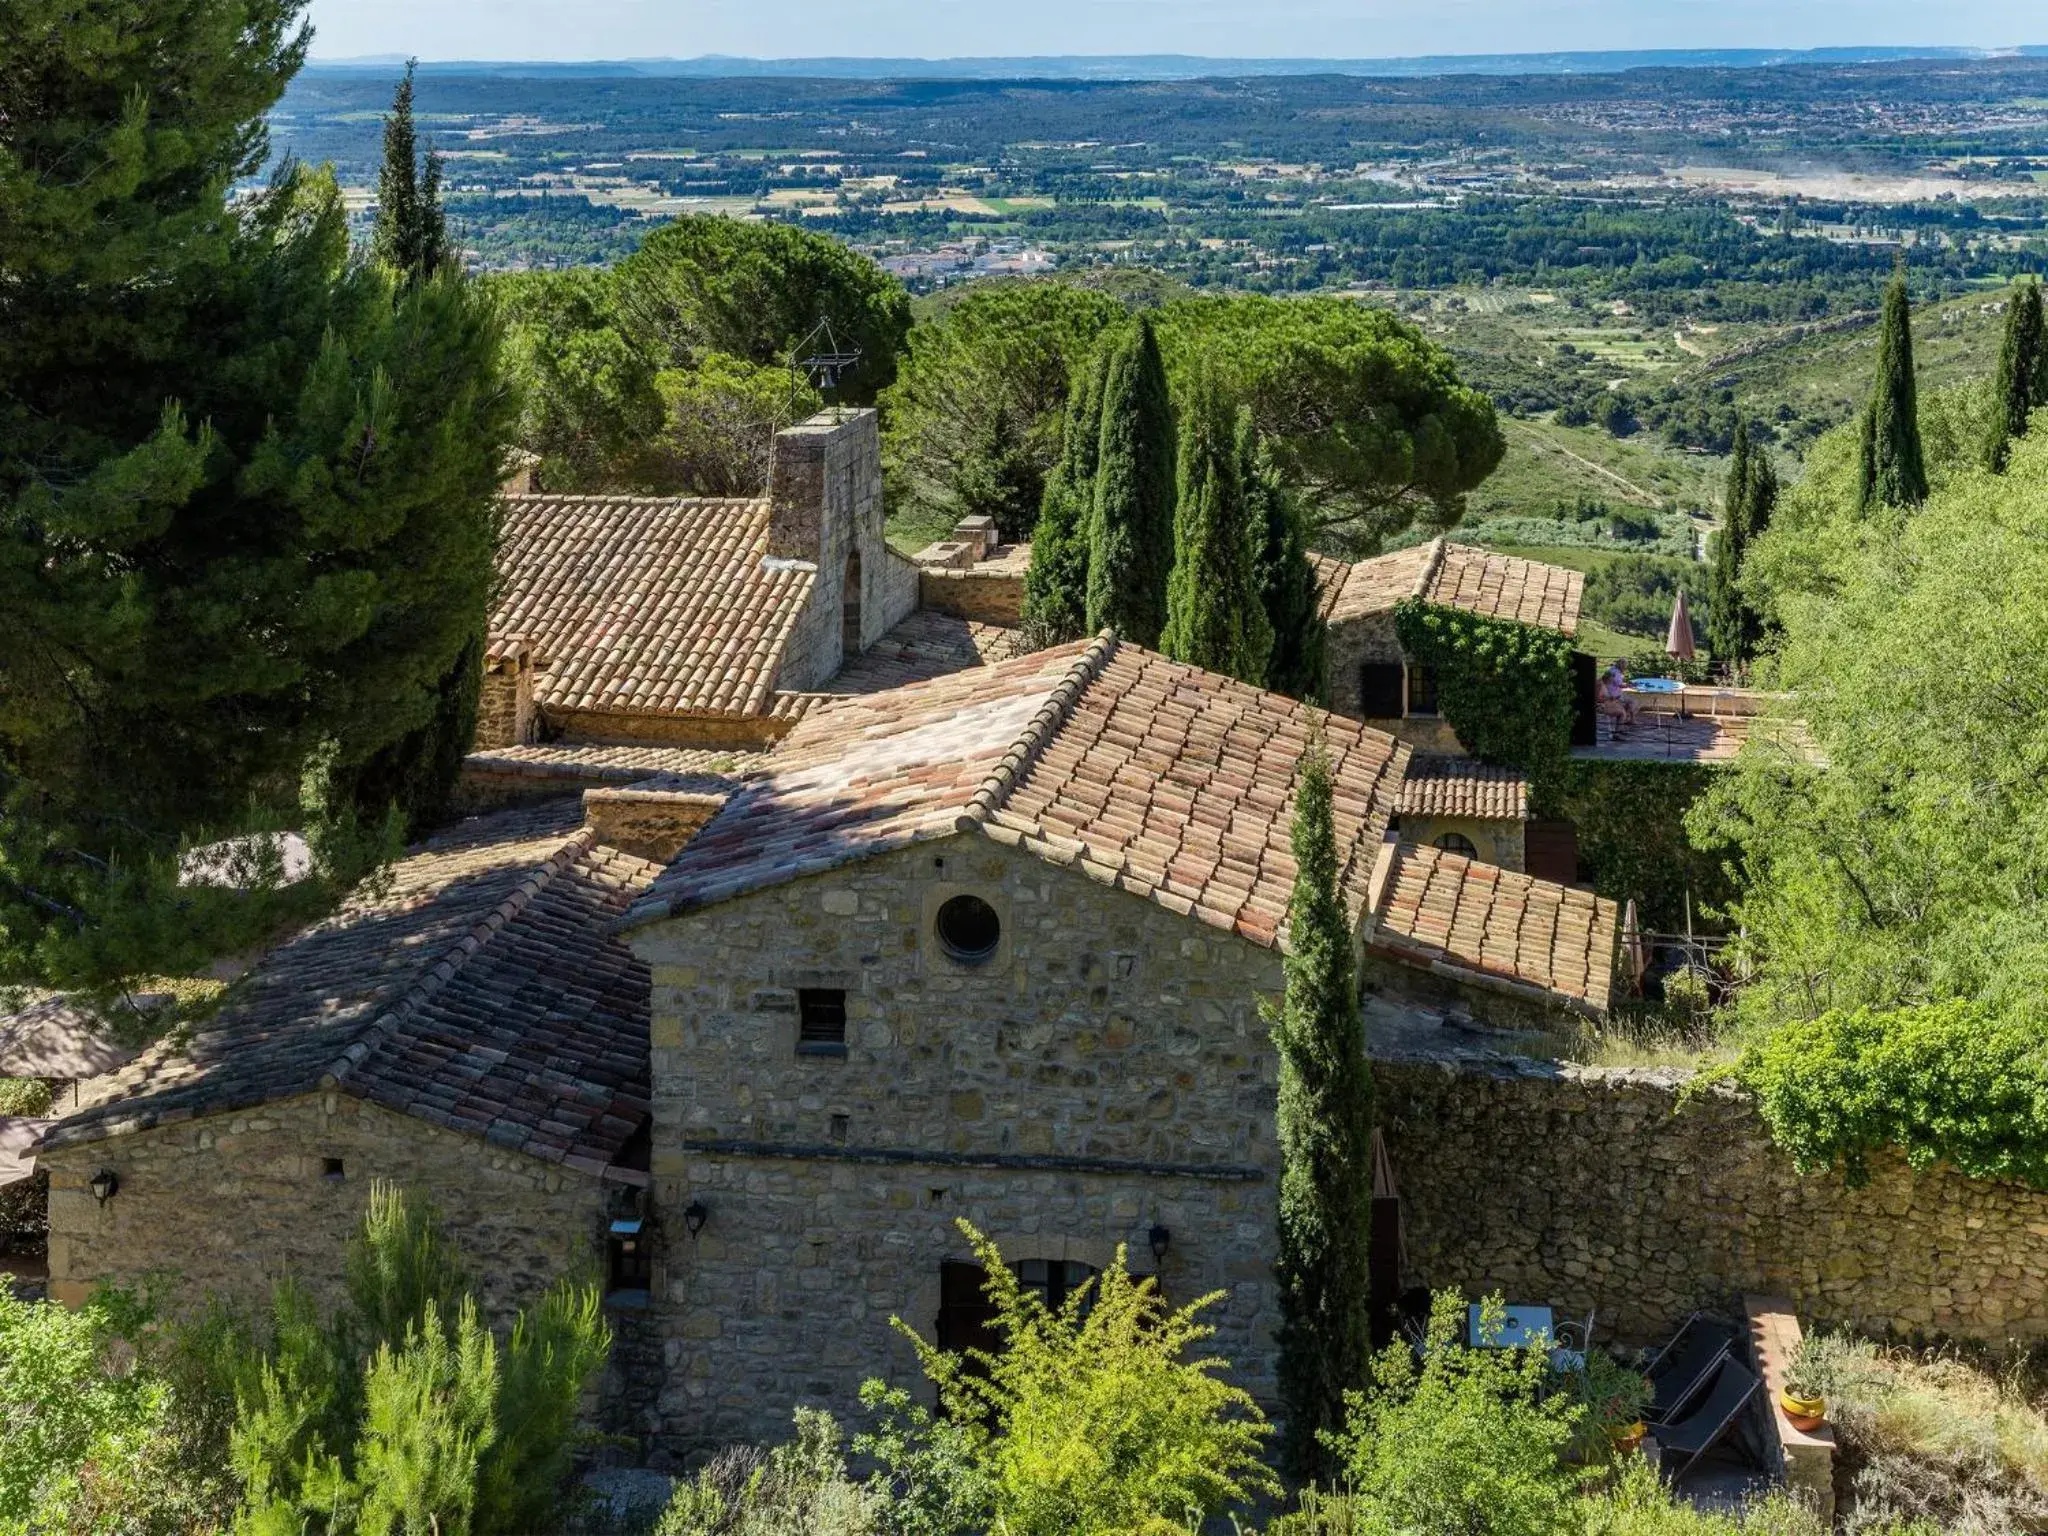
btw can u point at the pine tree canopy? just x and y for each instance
(1324, 1122)
(1215, 615)
(1893, 469)
(2021, 382)
(1130, 533)
(247, 487)
(1056, 584)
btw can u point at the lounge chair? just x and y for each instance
(1719, 1410)
(1682, 1368)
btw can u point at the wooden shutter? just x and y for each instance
(1551, 851)
(1379, 690)
(1585, 678)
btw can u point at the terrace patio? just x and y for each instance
(1696, 724)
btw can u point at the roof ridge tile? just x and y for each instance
(1038, 734)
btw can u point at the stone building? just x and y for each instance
(1372, 679)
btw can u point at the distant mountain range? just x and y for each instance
(1174, 66)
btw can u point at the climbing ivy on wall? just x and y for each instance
(1632, 841)
(1505, 688)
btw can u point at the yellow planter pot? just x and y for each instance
(1806, 1413)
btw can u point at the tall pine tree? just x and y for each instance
(1056, 585)
(1287, 577)
(1215, 618)
(1892, 468)
(1130, 529)
(247, 486)
(412, 230)
(1325, 1128)
(1735, 629)
(2021, 382)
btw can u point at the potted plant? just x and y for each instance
(1615, 1397)
(1801, 1397)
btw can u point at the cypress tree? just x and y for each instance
(1325, 1129)
(1130, 528)
(1215, 616)
(1892, 469)
(247, 482)
(1056, 585)
(1287, 577)
(1724, 595)
(2022, 373)
(411, 232)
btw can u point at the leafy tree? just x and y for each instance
(1056, 584)
(1215, 616)
(1325, 1129)
(1893, 472)
(757, 291)
(1364, 414)
(1453, 1439)
(998, 479)
(592, 398)
(1735, 628)
(1130, 529)
(2021, 382)
(1009, 349)
(719, 422)
(1092, 1418)
(402, 1412)
(1909, 869)
(1947, 1082)
(1288, 589)
(411, 230)
(246, 485)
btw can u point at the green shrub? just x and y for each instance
(1089, 1420)
(1464, 1440)
(31, 1096)
(1946, 1082)
(402, 1412)
(797, 1489)
(1638, 1504)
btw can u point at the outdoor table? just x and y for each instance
(1519, 1327)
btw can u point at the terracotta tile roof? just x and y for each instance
(653, 605)
(483, 990)
(1463, 786)
(1457, 576)
(1452, 914)
(926, 645)
(1158, 778)
(58, 1038)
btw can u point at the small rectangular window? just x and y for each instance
(629, 1266)
(821, 1021)
(1421, 690)
(332, 1170)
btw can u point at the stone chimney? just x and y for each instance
(824, 486)
(505, 714)
(649, 819)
(516, 474)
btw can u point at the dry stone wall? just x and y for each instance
(1608, 1191)
(1106, 1071)
(229, 1204)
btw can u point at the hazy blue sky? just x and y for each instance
(587, 29)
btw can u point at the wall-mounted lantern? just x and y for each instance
(1161, 1240)
(103, 1185)
(694, 1216)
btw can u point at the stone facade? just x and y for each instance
(1105, 1071)
(825, 486)
(1606, 1191)
(231, 1203)
(734, 733)
(1371, 637)
(1499, 843)
(987, 595)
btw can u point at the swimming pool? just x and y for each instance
(1657, 685)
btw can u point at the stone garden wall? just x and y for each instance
(1599, 1190)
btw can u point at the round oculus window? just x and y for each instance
(968, 929)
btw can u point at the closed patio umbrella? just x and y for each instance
(1679, 641)
(1633, 947)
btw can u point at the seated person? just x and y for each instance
(1612, 696)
